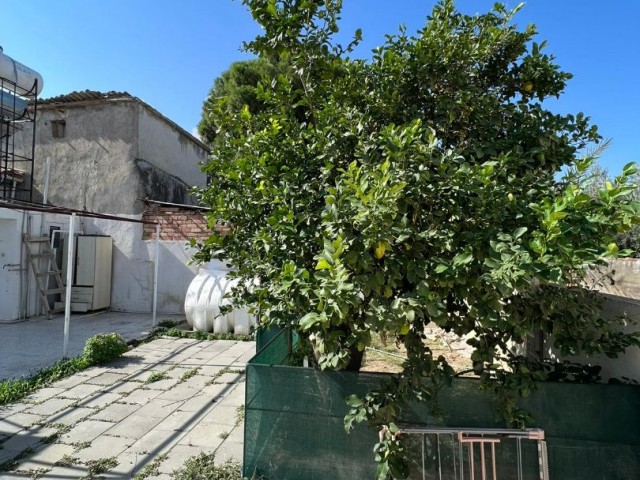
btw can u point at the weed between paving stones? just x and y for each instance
(152, 468)
(203, 467)
(96, 467)
(156, 377)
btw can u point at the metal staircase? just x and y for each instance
(44, 268)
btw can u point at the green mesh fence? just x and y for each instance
(294, 426)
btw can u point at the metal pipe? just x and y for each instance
(47, 172)
(155, 276)
(493, 461)
(67, 299)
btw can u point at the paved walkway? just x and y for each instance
(162, 403)
(36, 343)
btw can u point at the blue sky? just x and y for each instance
(168, 52)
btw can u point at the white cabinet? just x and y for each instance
(91, 288)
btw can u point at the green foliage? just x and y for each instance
(103, 347)
(235, 89)
(101, 465)
(597, 179)
(156, 377)
(98, 349)
(418, 187)
(178, 333)
(203, 467)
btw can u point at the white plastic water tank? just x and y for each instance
(205, 297)
(22, 76)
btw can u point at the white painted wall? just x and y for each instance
(18, 291)
(626, 365)
(169, 149)
(133, 268)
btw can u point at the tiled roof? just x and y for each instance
(86, 96)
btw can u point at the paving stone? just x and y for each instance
(144, 375)
(128, 465)
(221, 414)
(236, 435)
(123, 388)
(178, 455)
(229, 378)
(81, 391)
(205, 435)
(134, 426)
(44, 394)
(93, 372)
(197, 382)
(100, 400)
(198, 404)
(69, 382)
(67, 473)
(159, 408)
(177, 372)
(180, 421)
(14, 423)
(223, 360)
(115, 412)
(156, 442)
(108, 378)
(14, 475)
(51, 406)
(210, 370)
(45, 457)
(180, 392)
(8, 410)
(85, 431)
(229, 451)
(104, 446)
(163, 385)
(141, 396)
(70, 416)
(23, 440)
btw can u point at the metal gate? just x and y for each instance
(477, 453)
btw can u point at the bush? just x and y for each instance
(103, 348)
(202, 467)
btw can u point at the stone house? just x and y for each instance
(110, 153)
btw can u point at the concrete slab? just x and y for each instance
(124, 419)
(115, 412)
(37, 343)
(85, 431)
(45, 457)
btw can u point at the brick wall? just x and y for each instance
(176, 223)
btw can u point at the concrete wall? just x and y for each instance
(626, 365)
(92, 166)
(133, 268)
(621, 277)
(18, 291)
(168, 148)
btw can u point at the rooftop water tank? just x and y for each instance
(21, 77)
(205, 297)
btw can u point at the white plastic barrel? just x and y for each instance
(22, 76)
(205, 297)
